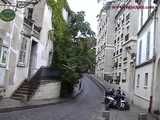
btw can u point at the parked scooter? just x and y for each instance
(116, 100)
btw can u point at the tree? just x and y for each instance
(73, 42)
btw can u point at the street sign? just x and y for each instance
(22, 4)
(7, 15)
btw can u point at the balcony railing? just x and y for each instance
(36, 31)
(124, 59)
(28, 22)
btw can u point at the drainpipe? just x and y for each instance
(154, 65)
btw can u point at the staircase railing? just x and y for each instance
(34, 83)
(44, 73)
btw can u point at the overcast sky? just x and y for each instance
(91, 8)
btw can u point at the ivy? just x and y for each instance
(72, 53)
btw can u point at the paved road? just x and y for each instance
(86, 107)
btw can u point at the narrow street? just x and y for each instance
(86, 107)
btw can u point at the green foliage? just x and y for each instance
(72, 44)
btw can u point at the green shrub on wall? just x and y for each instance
(72, 53)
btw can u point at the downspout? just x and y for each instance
(154, 60)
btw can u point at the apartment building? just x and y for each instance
(24, 44)
(147, 62)
(125, 47)
(116, 45)
(105, 46)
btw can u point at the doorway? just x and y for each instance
(33, 59)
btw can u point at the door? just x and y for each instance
(33, 59)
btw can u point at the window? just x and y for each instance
(114, 41)
(127, 37)
(138, 81)
(124, 76)
(141, 18)
(117, 52)
(140, 51)
(127, 18)
(3, 54)
(30, 12)
(121, 50)
(127, 29)
(22, 53)
(146, 80)
(114, 54)
(115, 29)
(122, 36)
(148, 45)
(118, 39)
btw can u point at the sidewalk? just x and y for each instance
(132, 114)
(9, 105)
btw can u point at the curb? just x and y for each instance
(11, 109)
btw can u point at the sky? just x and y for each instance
(91, 8)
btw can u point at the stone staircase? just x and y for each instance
(29, 87)
(25, 91)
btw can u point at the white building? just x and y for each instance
(25, 45)
(116, 45)
(147, 62)
(125, 47)
(105, 45)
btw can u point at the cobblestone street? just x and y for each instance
(85, 107)
(88, 106)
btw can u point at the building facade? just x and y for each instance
(116, 45)
(105, 45)
(147, 62)
(125, 47)
(25, 45)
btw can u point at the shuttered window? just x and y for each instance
(148, 45)
(140, 51)
(3, 54)
(22, 52)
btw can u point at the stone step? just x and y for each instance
(17, 98)
(19, 95)
(23, 91)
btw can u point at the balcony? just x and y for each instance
(124, 59)
(36, 31)
(28, 22)
(116, 64)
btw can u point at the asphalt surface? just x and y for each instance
(87, 106)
